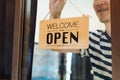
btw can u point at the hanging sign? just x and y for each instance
(67, 33)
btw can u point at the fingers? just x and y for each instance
(62, 1)
(52, 1)
(56, 7)
(58, 4)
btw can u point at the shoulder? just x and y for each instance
(96, 33)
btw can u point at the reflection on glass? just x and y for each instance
(50, 65)
(45, 64)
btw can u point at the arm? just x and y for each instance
(56, 7)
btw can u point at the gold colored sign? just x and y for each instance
(67, 33)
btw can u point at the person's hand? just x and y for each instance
(56, 7)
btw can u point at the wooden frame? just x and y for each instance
(115, 25)
(6, 37)
(24, 25)
(17, 45)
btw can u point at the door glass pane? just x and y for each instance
(94, 62)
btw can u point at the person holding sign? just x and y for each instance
(99, 49)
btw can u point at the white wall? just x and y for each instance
(85, 6)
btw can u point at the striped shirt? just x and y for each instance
(100, 55)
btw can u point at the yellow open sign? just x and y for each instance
(67, 33)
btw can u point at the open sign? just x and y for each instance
(52, 38)
(67, 33)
